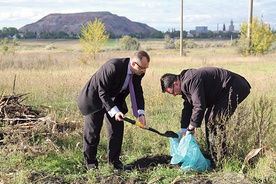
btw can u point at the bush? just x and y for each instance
(261, 38)
(177, 44)
(191, 44)
(129, 43)
(169, 42)
(8, 45)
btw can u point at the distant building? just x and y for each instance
(231, 27)
(201, 29)
(190, 34)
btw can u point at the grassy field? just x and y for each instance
(52, 73)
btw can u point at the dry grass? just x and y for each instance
(58, 74)
(53, 73)
(52, 76)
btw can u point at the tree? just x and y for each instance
(30, 34)
(261, 38)
(8, 32)
(157, 34)
(93, 37)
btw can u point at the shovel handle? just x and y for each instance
(137, 123)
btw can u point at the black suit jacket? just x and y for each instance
(103, 88)
(202, 88)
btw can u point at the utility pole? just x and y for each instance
(181, 27)
(249, 28)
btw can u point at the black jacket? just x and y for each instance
(103, 88)
(202, 88)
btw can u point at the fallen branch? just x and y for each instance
(13, 112)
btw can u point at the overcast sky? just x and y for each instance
(159, 14)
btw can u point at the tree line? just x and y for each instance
(11, 32)
(261, 41)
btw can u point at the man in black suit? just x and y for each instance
(210, 91)
(103, 97)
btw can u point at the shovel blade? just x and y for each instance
(171, 134)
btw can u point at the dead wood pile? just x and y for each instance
(13, 112)
(19, 121)
(21, 124)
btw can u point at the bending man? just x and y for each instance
(212, 91)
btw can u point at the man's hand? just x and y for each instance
(142, 119)
(189, 131)
(119, 116)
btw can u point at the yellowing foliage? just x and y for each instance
(93, 37)
(261, 38)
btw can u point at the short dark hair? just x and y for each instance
(141, 54)
(167, 81)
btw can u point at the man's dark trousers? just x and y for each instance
(91, 138)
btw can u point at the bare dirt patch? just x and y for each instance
(150, 162)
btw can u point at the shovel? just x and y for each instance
(166, 134)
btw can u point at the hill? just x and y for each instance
(71, 23)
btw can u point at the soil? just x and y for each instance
(149, 162)
(142, 165)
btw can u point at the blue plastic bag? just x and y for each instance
(187, 151)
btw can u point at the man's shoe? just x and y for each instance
(128, 167)
(121, 166)
(91, 166)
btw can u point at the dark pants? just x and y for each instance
(91, 137)
(217, 115)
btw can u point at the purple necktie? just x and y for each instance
(132, 97)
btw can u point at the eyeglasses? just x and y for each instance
(142, 68)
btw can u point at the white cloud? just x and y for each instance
(160, 14)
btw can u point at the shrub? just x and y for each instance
(261, 38)
(129, 43)
(177, 44)
(191, 44)
(169, 42)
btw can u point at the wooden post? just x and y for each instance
(249, 28)
(181, 28)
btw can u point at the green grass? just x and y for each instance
(55, 77)
(112, 43)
